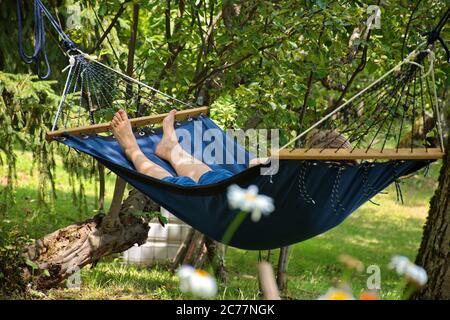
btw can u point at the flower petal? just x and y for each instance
(256, 215)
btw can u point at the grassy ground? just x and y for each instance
(372, 234)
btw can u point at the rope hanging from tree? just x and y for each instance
(39, 54)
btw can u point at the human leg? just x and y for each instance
(121, 128)
(170, 150)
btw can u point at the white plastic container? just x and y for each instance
(162, 243)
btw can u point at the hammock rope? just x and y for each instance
(39, 54)
(381, 82)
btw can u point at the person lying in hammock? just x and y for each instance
(190, 170)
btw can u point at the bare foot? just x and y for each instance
(121, 127)
(258, 161)
(169, 139)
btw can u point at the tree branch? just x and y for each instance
(71, 248)
(290, 32)
(174, 47)
(358, 69)
(405, 36)
(111, 25)
(235, 63)
(167, 20)
(310, 82)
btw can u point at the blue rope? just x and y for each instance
(39, 54)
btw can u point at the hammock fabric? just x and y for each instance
(310, 197)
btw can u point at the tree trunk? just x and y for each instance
(282, 268)
(196, 249)
(101, 192)
(434, 252)
(216, 256)
(67, 250)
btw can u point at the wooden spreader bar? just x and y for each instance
(286, 154)
(360, 154)
(136, 122)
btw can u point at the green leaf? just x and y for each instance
(163, 220)
(31, 264)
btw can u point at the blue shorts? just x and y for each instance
(209, 177)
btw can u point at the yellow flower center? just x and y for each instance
(250, 196)
(339, 295)
(201, 272)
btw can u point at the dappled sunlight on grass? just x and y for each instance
(114, 280)
(40, 220)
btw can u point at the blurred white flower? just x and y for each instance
(417, 275)
(250, 201)
(412, 272)
(184, 273)
(202, 284)
(399, 263)
(197, 282)
(337, 294)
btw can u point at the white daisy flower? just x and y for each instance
(417, 275)
(337, 294)
(184, 273)
(413, 273)
(202, 284)
(249, 200)
(399, 263)
(196, 281)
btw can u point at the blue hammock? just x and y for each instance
(310, 197)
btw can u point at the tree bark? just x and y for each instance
(216, 257)
(282, 268)
(101, 192)
(178, 259)
(67, 250)
(434, 252)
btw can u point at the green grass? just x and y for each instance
(372, 234)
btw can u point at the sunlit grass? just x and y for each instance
(372, 234)
(40, 220)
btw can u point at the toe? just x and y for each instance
(122, 115)
(170, 117)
